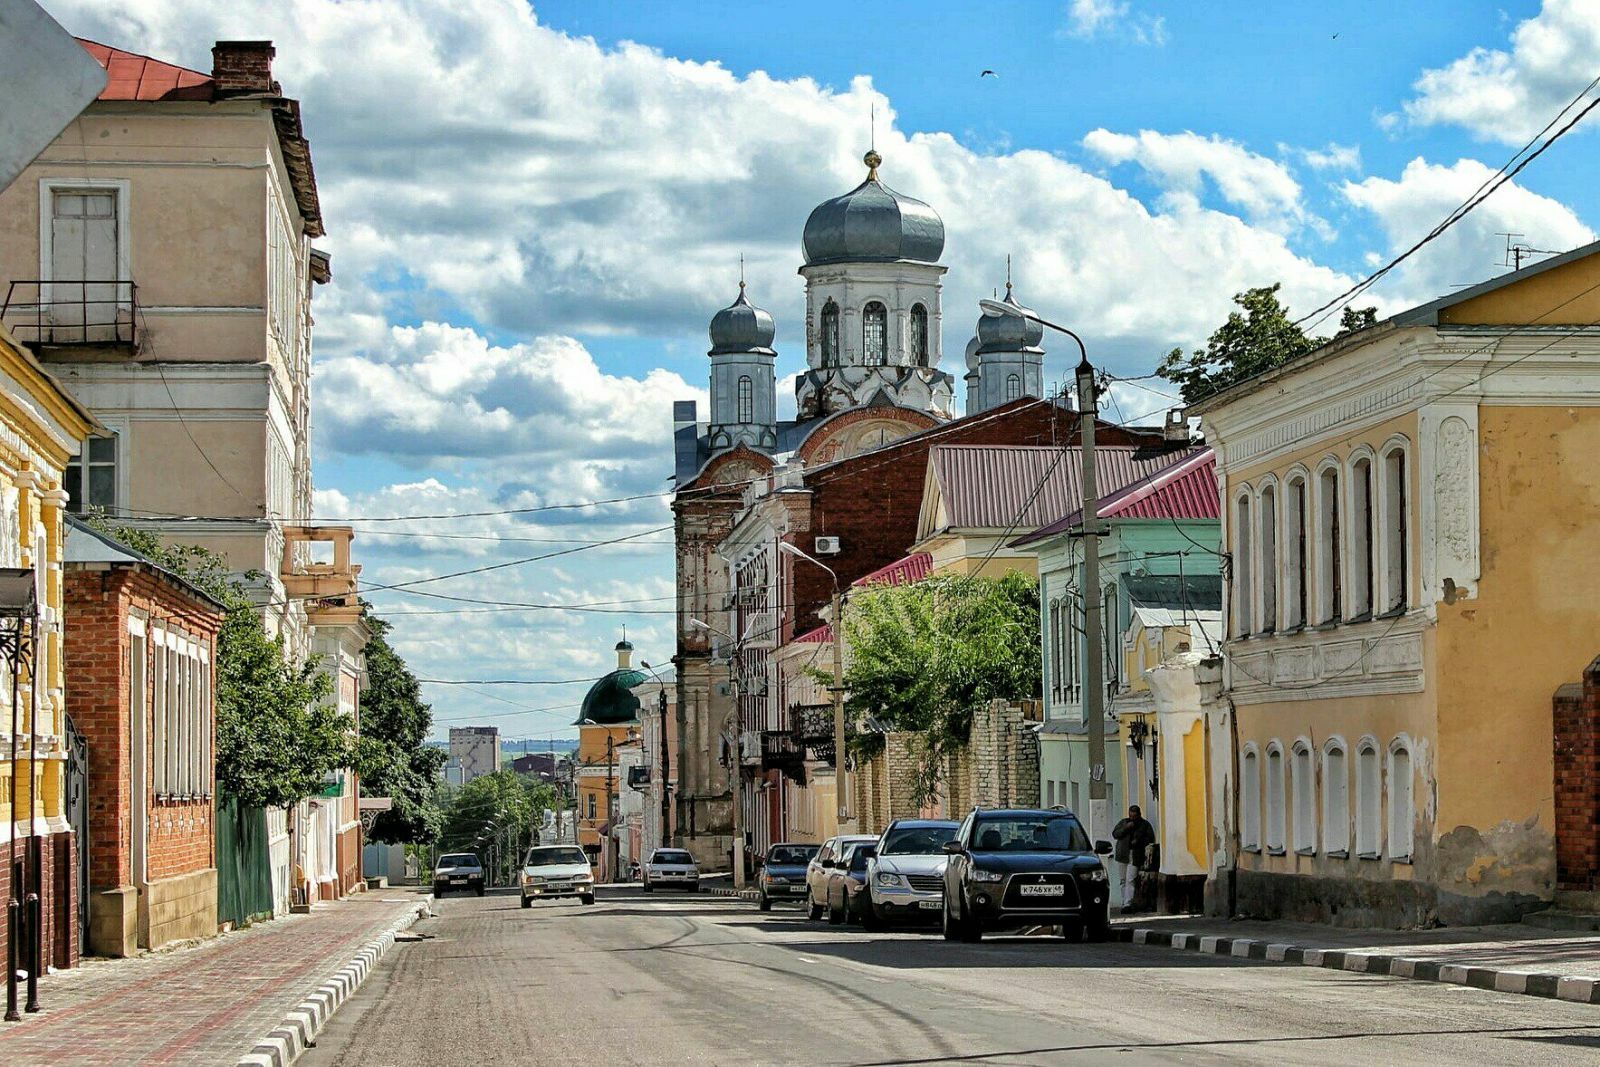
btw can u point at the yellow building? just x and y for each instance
(608, 725)
(1410, 511)
(42, 429)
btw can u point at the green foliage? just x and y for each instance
(390, 755)
(924, 656)
(278, 738)
(495, 815)
(1254, 340)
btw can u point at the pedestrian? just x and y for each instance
(1133, 835)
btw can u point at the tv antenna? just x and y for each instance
(1516, 251)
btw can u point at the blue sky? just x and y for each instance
(533, 213)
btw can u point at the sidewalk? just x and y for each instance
(1509, 959)
(214, 1002)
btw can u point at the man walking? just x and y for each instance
(1133, 835)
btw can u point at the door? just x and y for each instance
(83, 295)
(78, 816)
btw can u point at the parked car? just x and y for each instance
(457, 870)
(905, 880)
(556, 871)
(783, 872)
(821, 867)
(847, 882)
(671, 866)
(1024, 867)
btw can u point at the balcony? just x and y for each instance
(46, 315)
(316, 568)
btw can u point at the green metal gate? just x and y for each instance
(244, 865)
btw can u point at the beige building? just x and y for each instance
(157, 258)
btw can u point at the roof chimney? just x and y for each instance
(243, 67)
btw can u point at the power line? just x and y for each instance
(511, 563)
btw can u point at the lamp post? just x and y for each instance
(666, 757)
(730, 740)
(837, 622)
(1093, 624)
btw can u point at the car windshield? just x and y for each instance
(791, 855)
(459, 859)
(917, 840)
(1029, 833)
(668, 856)
(549, 857)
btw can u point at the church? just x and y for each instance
(873, 348)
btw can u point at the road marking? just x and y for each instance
(807, 959)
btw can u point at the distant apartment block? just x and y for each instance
(475, 751)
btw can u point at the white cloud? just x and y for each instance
(1089, 19)
(1181, 162)
(1331, 156)
(1508, 96)
(1408, 207)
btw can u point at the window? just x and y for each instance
(919, 335)
(1305, 799)
(1050, 794)
(1250, 801)
(1063, 651)
(1242, 563)
(1294, 548)
(746, 399)
(1335, 800)
(91, 476)
(1269, 559)
(1401, 812)
(1275, 799)
(181, 711)
(1330, 552)
(875, 334)
(1013, 387)
(1361, 539)
(1369, 788)
(594, 806)
(830, 334)
(1110, 626)
(1395, 571)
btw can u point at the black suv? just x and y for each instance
(1024, 867)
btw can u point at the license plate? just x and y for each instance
(458, 881)
(1042, 890)
(930, 905)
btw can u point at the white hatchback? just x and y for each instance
(556, 871)
(671, 866)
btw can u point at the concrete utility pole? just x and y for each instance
(836, 622)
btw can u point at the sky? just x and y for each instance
(534, 211)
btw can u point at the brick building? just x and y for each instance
(1577, 786)
(140, 657)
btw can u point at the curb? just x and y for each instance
(298, 1031)
(739, 894)
(1575, 988)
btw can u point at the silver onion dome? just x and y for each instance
(873, 223)
(972, 353)
(741, 327)
(1009, 333)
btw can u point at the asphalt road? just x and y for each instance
(667, 979)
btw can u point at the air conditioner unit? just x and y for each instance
(827, 546)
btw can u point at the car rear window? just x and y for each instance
(665, 856)
(791, 855)
(459, 859)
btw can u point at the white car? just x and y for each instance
(671, 866)
(556, 871)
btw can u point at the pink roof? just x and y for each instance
(912, 568)
(1184, 489)
(131, 76)
(821, 635)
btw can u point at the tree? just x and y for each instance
(391, 757)
(278, 738)
(1252, 341)
(926, 655)
(496, 816)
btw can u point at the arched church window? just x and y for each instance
(919, 335)
(875, 334)
(1013, 387)
(746, 399)
(830, 334)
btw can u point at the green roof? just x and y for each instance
(610, 701)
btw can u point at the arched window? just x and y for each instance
(1305, 798)
(1401, 811)
(1243, 563)
(919, 335)
(875, 334)
(830, 334)
(1276, 819)
(1250, 801)
(1396, 576)
(1369, 797)
(747, 399)
(1294, 554)
(1330, 552)
(1013, 387)
(1269, 559)
(1335, 799)
(1361, 538)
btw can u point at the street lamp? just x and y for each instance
(837, 620)
(1093, 625)
(666, 756)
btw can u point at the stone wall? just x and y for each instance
(1576, 711)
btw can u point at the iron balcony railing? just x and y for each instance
(55, 312)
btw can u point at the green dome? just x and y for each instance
(610, 701)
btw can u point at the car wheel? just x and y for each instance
(1072, 931)
(835, 915)
(527, 902)
(764, 903)
(439, 891)
(587, 898)
(952, 925)
(648, 888)
(869, 916)
(480, 890)
(813, 909)
(969, 929)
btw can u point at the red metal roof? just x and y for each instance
(1185, 489)
(912, 568)
(131, 76)
(821, 635)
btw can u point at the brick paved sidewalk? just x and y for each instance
(206, 1004)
